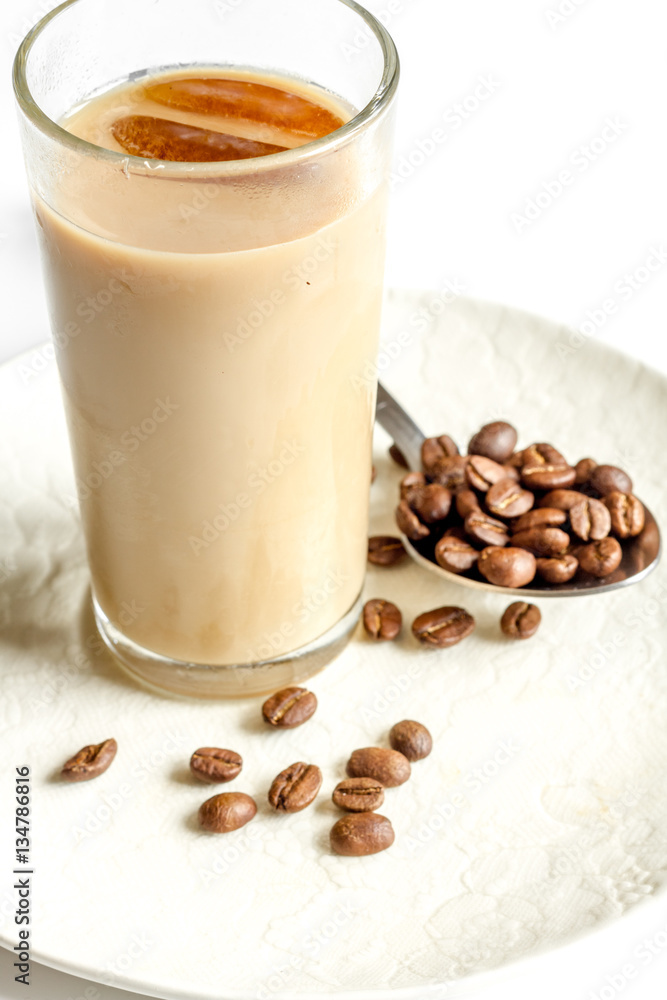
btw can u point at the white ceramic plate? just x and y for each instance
(540, 814)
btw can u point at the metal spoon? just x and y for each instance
(640, 554)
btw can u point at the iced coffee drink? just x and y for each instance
(215, 300)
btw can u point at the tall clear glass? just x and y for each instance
(215, 325)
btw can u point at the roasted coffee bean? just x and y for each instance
(545, 468)
(590, 520)
(520, 620)
(456, 531)
(436, 448)
(455, 554)
(409, 482)
(583, 470)
(358, 795)
(496, 441)
(430, 503)
(385, 550)
(542, 517)
(466, 501)
(559, 569)
(443, 627)
(486, 530)
(397, 455)
(482, 473)
(561, 499)
(412, 739)
(516, 460)
(600, 558)
(508, 499)
(214, 765)
(608, 479)
(449, 472)
(90, 761)
(408, 522)
(627, 514)
(542, 454)
(507, 567)
(382, 619)
(389, 767)
(542, 541)
(358, 834)
(226, 812)
(289, 708)
(295, 787)
(512, 473)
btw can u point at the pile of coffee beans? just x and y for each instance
(505, 516)
(370, 771)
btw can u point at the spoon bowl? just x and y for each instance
(640, 555)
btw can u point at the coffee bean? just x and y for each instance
(590, 520)
(363, 833)
(397, 455)
(214, 765)
(608, 478)
(295, 787)
(226, 812)
(496, 441)
(430, 503)
(385, 550)
(466, 501)
(358, 795)
(542, 541)
(443, 627)
(520, 620)
(409, 523)
(545, 468)
(542, 517)
(289, 708)
(516, 460)
(389, 767)
(457, 531)
(436, 448)
(627, 514)
(90, 761)
(449, 472)
(507, 499)
(561, 499)
(507, 567)
(542, 454)
(410, 481)
(583, 470)
(512, 473)
(600, 558)
(382, 619)
(560, 569)
(486, 530)
(412, 739)
(482, 473)
(454, 554)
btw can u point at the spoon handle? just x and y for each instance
(402, 428)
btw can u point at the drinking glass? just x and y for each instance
(215, 328)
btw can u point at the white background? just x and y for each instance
(498, 99)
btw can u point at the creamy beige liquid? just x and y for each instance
(214, 339)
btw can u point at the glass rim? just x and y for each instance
(372, 110)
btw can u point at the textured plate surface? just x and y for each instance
(540, 813)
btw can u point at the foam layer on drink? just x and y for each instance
(216, 339)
